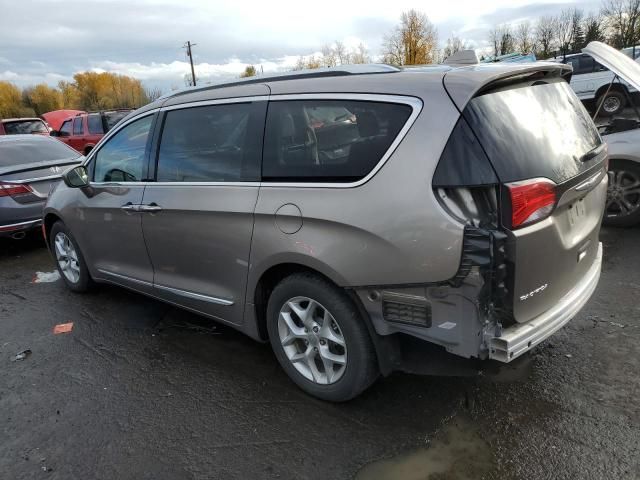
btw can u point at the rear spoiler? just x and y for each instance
(462, 84)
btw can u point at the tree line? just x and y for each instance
(88, 91)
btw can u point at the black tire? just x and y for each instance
(87, 150)
(361, 368)
(85, 282)
(617, 98)
(631, 171)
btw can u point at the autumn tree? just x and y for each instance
(42, 98)
(249, 71)
(69, 94)
(11, 102)
(413, 42)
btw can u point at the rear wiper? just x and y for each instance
(591, 154)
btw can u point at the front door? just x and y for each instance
(198, 216)
(109, 224)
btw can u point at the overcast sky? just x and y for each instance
(50, 40)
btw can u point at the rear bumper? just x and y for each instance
(520, 338)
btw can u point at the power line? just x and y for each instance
(188, 46)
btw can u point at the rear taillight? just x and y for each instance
(531, 201)
(13, 189)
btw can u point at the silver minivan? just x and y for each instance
(338, 213)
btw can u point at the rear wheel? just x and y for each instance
(320, 339)
(623, 194)
(612, 103)
(69, 259)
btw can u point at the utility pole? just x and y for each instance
(193, 73)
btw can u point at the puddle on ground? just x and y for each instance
(457, 453)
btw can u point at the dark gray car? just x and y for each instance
(338, 213)
(29, 166)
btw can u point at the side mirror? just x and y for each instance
(54, 133)
(76, 177)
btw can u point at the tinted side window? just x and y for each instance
(586, 64)
(330, 140)
(94, 122)
(77, 126)
(122, 158)
(66, 127)
(210, 144)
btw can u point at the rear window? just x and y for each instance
(94, 123)
(25, 126)
(77, 126)
(534, 131)
(25, 151)
(112, 118)
(210, 144)
(328, 140)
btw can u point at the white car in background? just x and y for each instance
(623, 139)
(591, 80)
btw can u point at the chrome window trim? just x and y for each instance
(124, 277)
(414, 102)
(204, 184)
(195, 296)
(218, 101)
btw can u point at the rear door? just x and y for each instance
(550, 161)
(95, 129)
(198, 215)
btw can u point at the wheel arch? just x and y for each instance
(49, 219)
(386, 348)
(264, 283)
(619, 87)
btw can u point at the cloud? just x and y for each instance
(144, 38)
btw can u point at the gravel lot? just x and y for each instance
(139, 389)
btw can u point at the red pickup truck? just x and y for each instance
(84, 130)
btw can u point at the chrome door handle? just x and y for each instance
(151, 208)
(130, 207)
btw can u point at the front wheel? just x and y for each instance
(69, 259)
(623, 194)
(320, 339)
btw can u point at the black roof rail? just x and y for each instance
(339, 71)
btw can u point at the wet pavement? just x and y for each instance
(141, 390)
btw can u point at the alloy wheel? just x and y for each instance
(623, 193)
(611, 104)
(67, 257)
(312, 340)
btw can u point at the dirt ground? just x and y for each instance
(141, 390)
